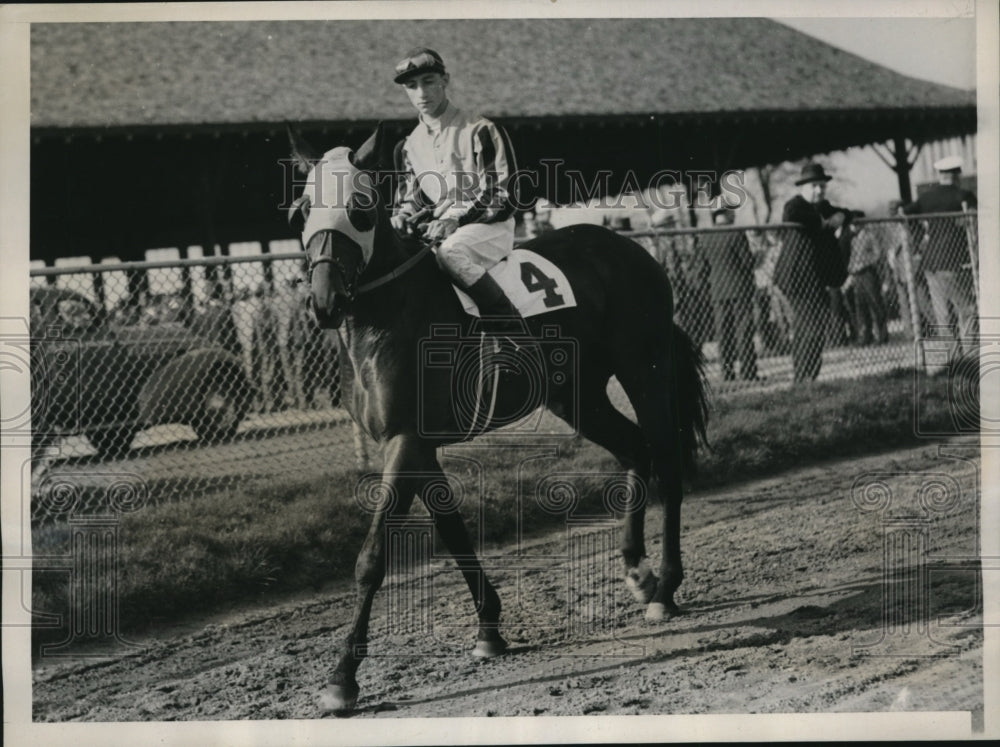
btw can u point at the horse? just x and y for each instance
(382, 294)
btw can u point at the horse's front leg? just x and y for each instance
(395, 496)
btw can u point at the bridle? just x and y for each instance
(302, 204)
(329, 259)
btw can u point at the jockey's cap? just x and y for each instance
(419, 60)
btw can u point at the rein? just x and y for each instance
(407, 265)
(380, 281)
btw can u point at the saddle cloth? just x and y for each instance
(532, 283)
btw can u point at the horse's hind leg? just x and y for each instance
(440, 502)
(655, 401)
(601, 423)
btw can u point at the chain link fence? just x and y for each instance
(200, 375)
(774, 304)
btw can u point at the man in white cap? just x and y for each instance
(946, 254)
(457, 166)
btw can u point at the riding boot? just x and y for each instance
(499, 318)
(498, 315)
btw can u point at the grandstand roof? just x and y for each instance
(122, 75)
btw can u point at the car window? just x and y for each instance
(75, 312)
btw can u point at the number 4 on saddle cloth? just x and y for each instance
(532, 283)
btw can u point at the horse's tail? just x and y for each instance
(690, 391)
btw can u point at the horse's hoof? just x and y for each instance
(641, 581)
(337, 699)
(489, 649)
(658, 612)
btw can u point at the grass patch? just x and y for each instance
(758, 434)
(191, 557)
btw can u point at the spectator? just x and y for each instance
(772, 317)
(904, 271)
(693, 299)
(529, 225)
(863, 278)
(841, 330)
(730, 279)
(797, 271)
(618, 222)
(215, 322)
(664, 218)
(537, 221)
(946, 257)
(126, 312)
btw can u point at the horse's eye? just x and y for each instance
(361, 212)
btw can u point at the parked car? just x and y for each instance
(108, 381)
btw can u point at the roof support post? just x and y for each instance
(902, 168)
(903, 158)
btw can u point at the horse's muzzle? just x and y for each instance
(335, 263)
(328, 299)
(325, 319)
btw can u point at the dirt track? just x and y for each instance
(784, 587)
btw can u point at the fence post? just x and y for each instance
(972, 245)
(911, 292)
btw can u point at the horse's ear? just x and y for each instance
(304, 155)
(370, 156)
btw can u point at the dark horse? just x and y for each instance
(383, 298)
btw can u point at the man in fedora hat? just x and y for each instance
(810, 262)
(946, 261)
(456, 168)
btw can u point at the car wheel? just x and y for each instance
(221, 412)
(112, 442)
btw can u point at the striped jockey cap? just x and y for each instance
(419, 60)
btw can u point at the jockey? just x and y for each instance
(457, 167)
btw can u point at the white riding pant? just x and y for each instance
(473, 249)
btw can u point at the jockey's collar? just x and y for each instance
(436, 125)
